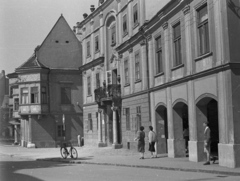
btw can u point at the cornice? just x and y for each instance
(186, 9)
(90, 65)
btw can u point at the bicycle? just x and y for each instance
(65, 153)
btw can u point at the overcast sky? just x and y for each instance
(24, 24)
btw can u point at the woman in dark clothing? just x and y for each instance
(141, 142)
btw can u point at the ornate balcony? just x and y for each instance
(33, 109)
(108, 94)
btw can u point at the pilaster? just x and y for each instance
(166, 52)
(150, 61)
(144, 65)
(187, 23)
(131, 69)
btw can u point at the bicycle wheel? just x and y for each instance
(64, 153)
(74, 153)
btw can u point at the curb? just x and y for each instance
(144, 166)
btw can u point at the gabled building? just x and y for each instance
(46, 91)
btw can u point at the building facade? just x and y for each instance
(46, 91)
(116, 102)
(6, 130)
(169, 64)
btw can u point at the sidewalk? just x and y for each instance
(117, 157)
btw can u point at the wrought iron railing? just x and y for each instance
(111, 91)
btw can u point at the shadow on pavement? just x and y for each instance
(9, 169)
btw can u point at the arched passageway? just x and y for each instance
(161, 128)
(207, 111)
(181, 128)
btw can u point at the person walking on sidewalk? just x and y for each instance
(207, 142)
(152, 140)
(141, 142)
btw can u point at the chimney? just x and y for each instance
(85, 15)
(92, 8)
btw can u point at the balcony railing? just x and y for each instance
(109, 92)
(33, 109)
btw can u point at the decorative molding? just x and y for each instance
(130, 50)
(91, 64)
(160, 15)
(149, 37)
(118, 1)
(84, 28)
(91, 22)
(143, 42)
(100, 14)
(165, 25)
(120, 55)
(100, 110)
(186, 9)
(102, 64)
(93, 68)
(114, 108)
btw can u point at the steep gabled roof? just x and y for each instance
(31, 63)
(66, 23)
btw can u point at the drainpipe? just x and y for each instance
(142, 31)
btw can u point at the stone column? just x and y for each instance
(100, 134)
(119, 16)
(228, 118)
(15, 135)
(170, 140)
(115, 134)
(131, 70)
(144, 65)
(166, 52)
(195, 145)
(30, 144)
(121, 62)
(189, 60)
(150, 61)
(130, 18)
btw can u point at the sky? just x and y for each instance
(24, 24)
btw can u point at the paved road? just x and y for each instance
(22, 169)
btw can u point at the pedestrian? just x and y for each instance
(152, 140)
(186, 138)
(207, 142)
(141, 142)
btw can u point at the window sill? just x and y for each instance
(159, 74)
(135, 25)
(137, 81)
(125, 34)
(126, 85)
(203, 56)
(177, 67)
